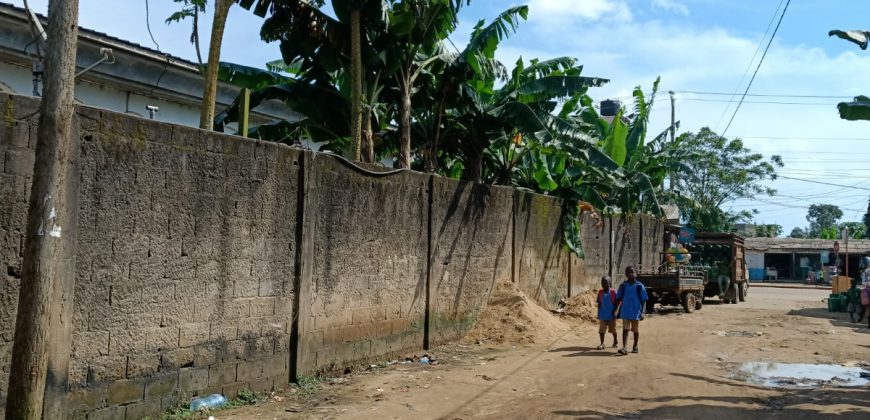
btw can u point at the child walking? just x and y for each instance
(606, 307)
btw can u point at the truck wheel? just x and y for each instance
(741, 291)
(699, 303)
(689, 302)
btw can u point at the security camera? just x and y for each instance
(152, 110)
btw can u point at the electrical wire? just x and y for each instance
(762, 102)
(749, 85)
(823, 183)
(749, 65)
(765, 95)
(802, 138)
(148, 25)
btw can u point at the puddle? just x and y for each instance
(800, 375)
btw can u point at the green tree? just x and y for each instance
(857, 230)
(768, 230)
(798, 233)
(867, 217)
(719, 170)
(192, 9)
(823, 217)
(859, 108)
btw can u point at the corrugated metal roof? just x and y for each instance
(21, 12)
(857, 246)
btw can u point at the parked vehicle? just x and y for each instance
(674, 283)
(724, 255)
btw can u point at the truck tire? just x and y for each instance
(689, 302)
(699, 303)
(742, 289)
(731, 294)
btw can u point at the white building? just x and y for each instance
(133, 78)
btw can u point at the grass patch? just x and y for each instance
(181, 411)
(309, 384)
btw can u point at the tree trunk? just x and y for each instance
(368, 145)
(43, 329)
(356, 71)
(405, 121)
(209, 93)
(474, 165)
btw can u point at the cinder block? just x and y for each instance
(174, 359)
(263, 385)
(206, 355)
(108, 413)
(19, 162)
(122, 342)
(141, 365)
(87, 344)
(143, 409)
(86, 398)
(161, 386)
(221, 374)
(262, 307)
(194, 334)
(15, 135)
(125, 391)
(192, 379)
(160, 339)
(248, 371)
(107, 368)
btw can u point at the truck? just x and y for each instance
(724, 254)
(717, 268)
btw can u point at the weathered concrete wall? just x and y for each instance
(652, 241)
(586, 273)
(16, 154)
(208, 263)
(472, 231)
(540, 259)
(185, 261)
(625, 231)
(368, 283)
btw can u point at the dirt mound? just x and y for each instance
(510, 317)
(582, 307)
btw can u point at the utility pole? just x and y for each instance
(673, 139)
(39, 371)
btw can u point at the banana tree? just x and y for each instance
(858, 109)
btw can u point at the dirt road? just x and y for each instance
(687, 368)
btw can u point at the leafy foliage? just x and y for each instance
(822, 217)
(768, 231)
(715, 171)
(859, 109)
(798, 233)
(857, 230)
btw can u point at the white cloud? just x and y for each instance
(671, 6)
(590, 10)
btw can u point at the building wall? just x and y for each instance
(209, 263)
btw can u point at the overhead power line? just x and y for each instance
(749, 85)
(749, 64)
(823, 183)
(803, 138)
(763, 102)
(765, 95)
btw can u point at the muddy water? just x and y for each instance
(786, 375)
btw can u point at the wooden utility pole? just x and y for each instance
(43, 329)
(673, 138)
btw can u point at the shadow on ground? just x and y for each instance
(837, 319)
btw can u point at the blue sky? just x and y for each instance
(694, 45)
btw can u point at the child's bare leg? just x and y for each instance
(602, 338)
(615, 341)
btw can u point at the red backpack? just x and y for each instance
(612, 297)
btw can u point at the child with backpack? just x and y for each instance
(606, 308)
(631, 299)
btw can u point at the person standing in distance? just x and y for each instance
(631, 299)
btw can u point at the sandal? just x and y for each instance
(600, 347)
(634, 350)
(623, 351)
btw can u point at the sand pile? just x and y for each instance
(510, 317)
(582, 307)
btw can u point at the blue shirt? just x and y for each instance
(605, 306)
(632, 301)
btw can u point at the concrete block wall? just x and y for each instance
(540, 258)
(472, 233)
(185, 263)
(369, 264)
(208, 263)
(586, 273)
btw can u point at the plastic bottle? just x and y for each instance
(210, 402)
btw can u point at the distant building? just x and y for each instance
(791, 259)
(133, 78)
